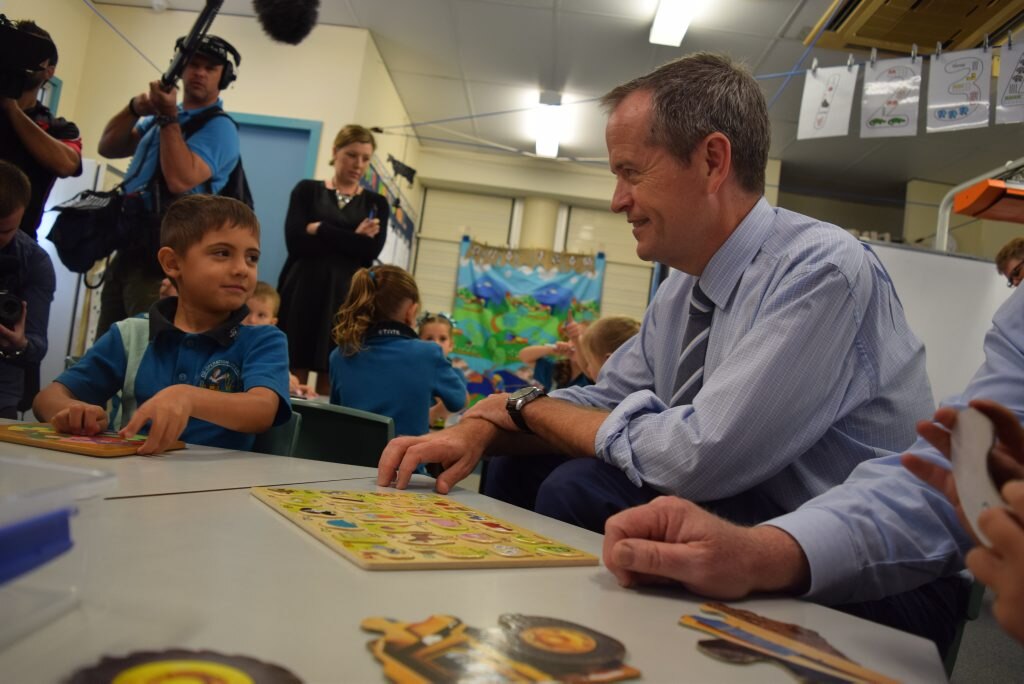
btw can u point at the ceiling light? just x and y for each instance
(672, 19)
(550, 123)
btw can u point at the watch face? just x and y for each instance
(524, 392)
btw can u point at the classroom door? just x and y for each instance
(275, 160)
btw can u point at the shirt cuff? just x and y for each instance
(832, 556)
(613, 443)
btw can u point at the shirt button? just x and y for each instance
(190, 343)
(182, 377)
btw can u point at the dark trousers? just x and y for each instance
(587, 491)
(130, 287)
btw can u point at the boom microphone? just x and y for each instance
(287, 21)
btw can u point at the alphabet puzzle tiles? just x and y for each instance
(412, 531)
(103, 445)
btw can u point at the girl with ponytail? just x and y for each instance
(380, 364)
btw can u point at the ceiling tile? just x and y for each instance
(505, 43)
(412, 37)
(754, 17)
(642, 10)
(585, 45)
(427, 98)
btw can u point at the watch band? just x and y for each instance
(164, 120)
(517, 401)
(520, 422)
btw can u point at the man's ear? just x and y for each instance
(170, 262)
(718, 159)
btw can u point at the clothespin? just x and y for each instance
(874, 57)
(913, 53)
(1009, 41)
(849, 62)
(984, 46)
(814, 65)
(938, 48)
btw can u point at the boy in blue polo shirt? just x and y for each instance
(204, 377)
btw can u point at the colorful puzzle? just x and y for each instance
(104, 445)
(410, 531)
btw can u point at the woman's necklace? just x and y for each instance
(343, 198)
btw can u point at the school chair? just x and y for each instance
(974, 601)
(339, 434)
(280, 440)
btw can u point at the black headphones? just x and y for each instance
(220, 50)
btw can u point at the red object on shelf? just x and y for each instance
(992, 199)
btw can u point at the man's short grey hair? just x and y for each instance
(700, 94)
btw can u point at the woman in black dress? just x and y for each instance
(333, 228)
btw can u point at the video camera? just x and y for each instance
(21, 53)
(10, 291)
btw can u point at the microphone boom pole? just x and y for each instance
(195, 35)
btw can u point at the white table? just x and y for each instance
(222, 571)
(195, 469)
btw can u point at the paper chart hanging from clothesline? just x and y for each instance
(958, 90)
(1010, 87)
(827, 102)
(892, 92)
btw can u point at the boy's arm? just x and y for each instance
(169, 410)
(56, 405)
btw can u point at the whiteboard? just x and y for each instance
(949, 302)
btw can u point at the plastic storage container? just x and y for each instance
(37, 500)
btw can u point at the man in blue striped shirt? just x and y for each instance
(807, 369)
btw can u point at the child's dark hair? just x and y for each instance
(191, 217)
(15, 189)
(266, 291)
(376, 294)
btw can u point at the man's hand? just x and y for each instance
(674, 540)
(79, 418)
(167, 412)
(1006, 462)
(1002, 567)
(164, 102)
(12, 339)
(493, 410)
(458, 449)
(143, 105)
(368, 227)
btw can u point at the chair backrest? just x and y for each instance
(280, 440)
(340, 434)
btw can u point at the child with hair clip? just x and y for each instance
(439, 329)
(380, 365)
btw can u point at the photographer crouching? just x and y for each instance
(27, 284)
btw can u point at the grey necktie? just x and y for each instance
(690, 372)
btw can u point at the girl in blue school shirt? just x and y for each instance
(380, 365)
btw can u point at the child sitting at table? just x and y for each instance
(439, 329)
(263, 305)
(203, 377)
(601, 340)
(380, 365)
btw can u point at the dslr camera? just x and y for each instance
(21, 53)
(10, 291)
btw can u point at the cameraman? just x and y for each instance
(164, 166)
(43, 147)
(27, 284)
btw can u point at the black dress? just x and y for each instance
(316, 276)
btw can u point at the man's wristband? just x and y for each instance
(8, 354)
(131, 107)
(164, 120)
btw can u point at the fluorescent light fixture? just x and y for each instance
(672, 19)
(550, 124)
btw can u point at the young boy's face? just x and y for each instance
(261, 312)
(218, 273)
(438, 332)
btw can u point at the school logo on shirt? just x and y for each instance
(221, 376)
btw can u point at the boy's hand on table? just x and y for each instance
(79, 418)
(458, 449)
(167, 412)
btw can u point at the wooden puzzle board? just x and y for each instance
(104, 445)
(411, 531)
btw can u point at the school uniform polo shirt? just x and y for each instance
(229, 358)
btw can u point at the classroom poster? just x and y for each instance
(827, 102)
(958, 90)
(892, 91)
(401, 228)
(506, 299)
(1010, 88)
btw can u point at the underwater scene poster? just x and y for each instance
(507, 299)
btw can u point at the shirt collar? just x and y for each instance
(723, 272)
(161, 319)
(193, 112)
(390, 329)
